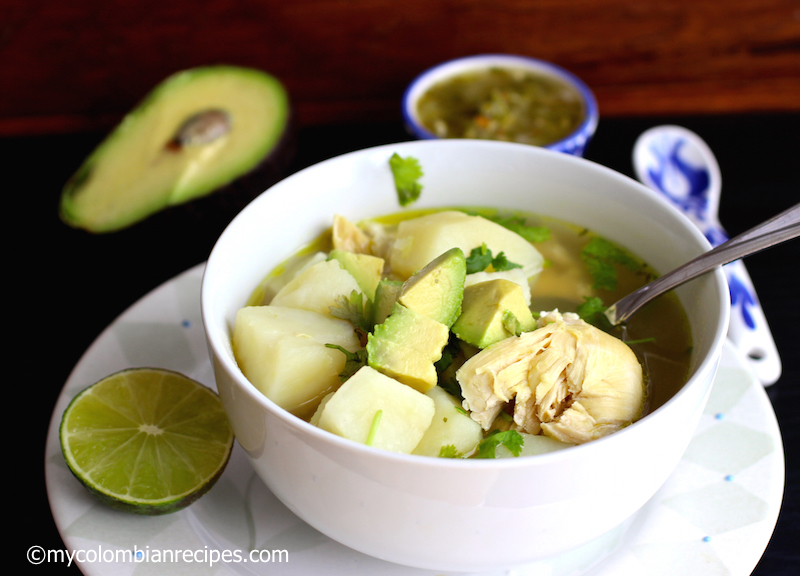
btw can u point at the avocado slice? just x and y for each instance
(196, 132)
(385, 296)
(406, 346)
(485, 310)
(436, 291)
(366, 269)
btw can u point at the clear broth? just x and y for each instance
(658, 334)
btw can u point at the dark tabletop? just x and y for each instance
(67, 287)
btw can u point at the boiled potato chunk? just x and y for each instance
(318, 412)
(420, 240)
(273, 283)
(282, 352)
(450, 426)
(317, 288)
(397, 415)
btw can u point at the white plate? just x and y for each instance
(714, 516)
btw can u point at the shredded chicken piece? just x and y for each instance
(381, 237)
(568, 380)
(347, 236)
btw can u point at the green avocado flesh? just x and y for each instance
(366, 269)
(436, 291)
(406, 346)
(484, 306)
(196, 132)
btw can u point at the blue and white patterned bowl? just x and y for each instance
(575, 143)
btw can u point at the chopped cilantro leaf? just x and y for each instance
(406, 173)
(501, 263)
(506, 416)
(600, 257)
(452, 387)
(640, 341)
(481, 258)
(511, 439)
(517, 224)
(353, 310)
(590, 308)
(450, 351)
(604, 276)
(449, 451)
(353, 361)
(373, 429)
(592, 311)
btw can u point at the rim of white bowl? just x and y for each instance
(434, 74)
(219, 338)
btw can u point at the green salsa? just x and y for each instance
(507, 104)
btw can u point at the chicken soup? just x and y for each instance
(461, 333)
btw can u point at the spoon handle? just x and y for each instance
(777, 229)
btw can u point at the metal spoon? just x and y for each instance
(776, 230)
(677, 163)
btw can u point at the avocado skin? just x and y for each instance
(385, 296)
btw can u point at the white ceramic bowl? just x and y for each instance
(443, 514)
(574, 143)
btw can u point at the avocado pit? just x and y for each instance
(202, 128)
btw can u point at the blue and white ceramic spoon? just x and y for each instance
(679, 164)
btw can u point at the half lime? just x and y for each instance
(146, 440)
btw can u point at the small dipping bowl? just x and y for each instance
(574, 142)
(460, 515)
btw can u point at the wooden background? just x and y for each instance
(78, 65)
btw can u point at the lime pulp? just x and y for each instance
(146, 440)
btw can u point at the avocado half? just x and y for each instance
(196, 133)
